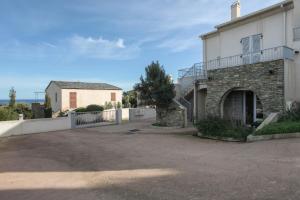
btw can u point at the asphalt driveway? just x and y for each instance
(112, 163)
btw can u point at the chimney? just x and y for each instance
(235, 10)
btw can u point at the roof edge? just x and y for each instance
(248, 17)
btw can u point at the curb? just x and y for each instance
(254, 138)
(225, 139)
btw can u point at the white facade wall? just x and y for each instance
(227, 43)
(88, 97)
(51, 91)
(277, 30)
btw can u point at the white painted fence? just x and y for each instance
(91, 119)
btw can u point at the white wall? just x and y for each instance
(227, 43)
(51, 91)
(293, 21)
(8, 128)
(88, 97)
(136, 114)
(277, 30)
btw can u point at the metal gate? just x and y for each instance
(91, 119)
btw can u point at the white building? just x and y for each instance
(250, 64)
(71, 95)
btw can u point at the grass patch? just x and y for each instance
(220, 128)
(280, 127)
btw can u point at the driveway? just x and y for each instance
(111, 163)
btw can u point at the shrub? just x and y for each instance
(62, 114)
(290, 115)
(217, 127)
(24, 109)
(280, 127)
(93, 107)
(47, 107)
(108, 105)
(119, 105)
(7, 114)
(81, 109)
(48, 112)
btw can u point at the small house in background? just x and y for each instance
(71, 95)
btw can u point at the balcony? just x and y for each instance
(199, 70)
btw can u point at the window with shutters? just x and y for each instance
(113, 96)
(73, 100)
(251, 49)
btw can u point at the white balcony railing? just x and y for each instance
(199, 70)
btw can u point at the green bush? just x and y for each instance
(48, 112)
(290, 115)
(280, 127)
(217, 127)
(81, 109)
(24, 109)
(108, 105)
(7, 114)
(93, 107)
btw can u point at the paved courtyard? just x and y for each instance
(111, 163)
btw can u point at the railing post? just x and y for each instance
(194, 73)
(118, 116)
(72, 118)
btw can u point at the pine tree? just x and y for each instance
(157, 87)
(12, 97)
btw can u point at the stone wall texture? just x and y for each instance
(266, 80)
(174, 116)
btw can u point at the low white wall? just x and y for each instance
(125, 113)
(8, 128)
(136, 114)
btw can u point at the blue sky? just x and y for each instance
(102, 41)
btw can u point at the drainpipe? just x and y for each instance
(195, 108)
(284, 28)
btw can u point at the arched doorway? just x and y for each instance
(242, 106)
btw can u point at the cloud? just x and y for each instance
(177, 44)
(102, 48)
(73, 48)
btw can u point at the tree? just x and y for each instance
(125, 100)
(129, 99)
(119, 105)
(157, 87)
(12, 97)
(47, 107)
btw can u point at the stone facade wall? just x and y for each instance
(266, 80)
(174, 116)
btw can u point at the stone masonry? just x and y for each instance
(266, 80)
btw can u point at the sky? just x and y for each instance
(102, 41)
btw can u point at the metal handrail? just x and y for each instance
(199, 70)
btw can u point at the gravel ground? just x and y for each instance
(112, 163)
